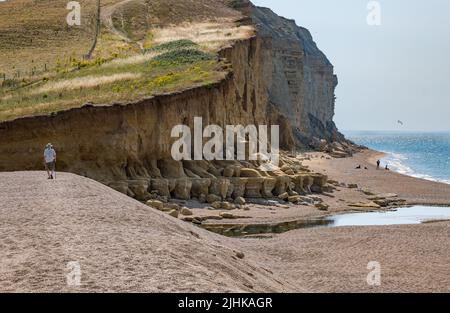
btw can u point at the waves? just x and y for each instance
(421, 155)
(399, 163)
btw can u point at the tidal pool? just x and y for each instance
(401, 216)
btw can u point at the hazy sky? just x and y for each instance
(399, 70)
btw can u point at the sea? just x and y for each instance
(420, 154)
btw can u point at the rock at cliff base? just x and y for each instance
(174, 213)
(156, 204)
(227, 215)
(227, 205)
(240, 201)
(213, 198)
(294, 199)
(186, 212)
(283, 196)
(322, 206)
(365, 205)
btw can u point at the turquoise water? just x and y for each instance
(422, 155)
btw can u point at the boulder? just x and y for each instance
(306, 199)
(307, 183)
(284, 196)
(238, 187)
(352, 186)
(294, 199)
(268, 187)
(186, 212)
(383, 196)
(365, 205)
(183, 189)
(200, 186)
(367, 192)
(227, 206)
(253, 187)
(202, 198)
(219, 187)
(217, 205)
(249, 172)
(156, 204)
(213, 198)
(333, 182)
(316, 198)
(318, 144)
(161, 186)
(171, 206)
(227, 215)
(322, 206)
(174, 213)
(139, 188)
(282, 185)
(240, 201)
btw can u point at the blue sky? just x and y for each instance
(396, 71)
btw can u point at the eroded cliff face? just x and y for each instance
(302, 80)
(285, 81)
(114, 142)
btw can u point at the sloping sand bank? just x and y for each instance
(119, 243)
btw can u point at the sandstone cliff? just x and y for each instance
(278, 77)
(302, 78)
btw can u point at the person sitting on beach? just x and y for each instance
(358, 167)
(50, 161)
(378, 164)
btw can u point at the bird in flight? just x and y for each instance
(400, 122)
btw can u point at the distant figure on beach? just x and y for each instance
(50, 161)
(365, 167)
(387, 168)
(358, 167)
(378, 164)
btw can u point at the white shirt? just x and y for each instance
(49, 155)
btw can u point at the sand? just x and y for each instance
(120, 244)
(416, 191)
(413, 258)
(123, 245)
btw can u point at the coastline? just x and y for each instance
(412, 258)
(414, 191)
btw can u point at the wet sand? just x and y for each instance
(414, 190)
(413, 258)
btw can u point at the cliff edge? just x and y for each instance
(275, 75)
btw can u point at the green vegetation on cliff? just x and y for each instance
(138, 54)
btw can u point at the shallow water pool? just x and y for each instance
(401, 216)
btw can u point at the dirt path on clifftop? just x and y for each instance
(119, 243)
(106, 18)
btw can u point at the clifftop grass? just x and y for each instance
(103, 81)
(145, 48)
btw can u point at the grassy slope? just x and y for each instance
(126, 65)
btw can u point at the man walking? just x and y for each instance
(50, 161)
